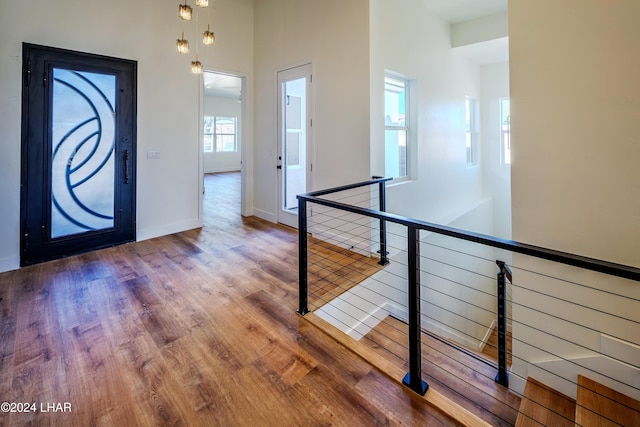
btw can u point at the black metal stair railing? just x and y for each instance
(504, 273)
(413, 378)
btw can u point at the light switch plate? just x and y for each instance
(152, 155)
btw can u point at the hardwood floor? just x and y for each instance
(459, 376)
(544, 406)
(195, 329)
(333, 270)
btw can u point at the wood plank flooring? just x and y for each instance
(544, 406)
(461, 377)
(601, 406)
(194, 329)
(333, 270)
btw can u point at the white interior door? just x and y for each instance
(294, 140)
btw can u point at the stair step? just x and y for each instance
(599, 405)
(544, 406)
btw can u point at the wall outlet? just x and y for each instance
(152, 155)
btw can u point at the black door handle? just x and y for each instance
(126, 166)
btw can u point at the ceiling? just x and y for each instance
(455, 11)
(452, 11)
(222, 85)
(487, 52)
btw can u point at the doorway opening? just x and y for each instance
(223, 143)
(295, 140)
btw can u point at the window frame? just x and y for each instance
(215, 134)
(472, 131)
(391, 77)
(505, 146)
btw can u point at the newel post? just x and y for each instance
(413, 379)
(505, 273)
(302, 257)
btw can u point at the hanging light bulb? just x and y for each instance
(185, 11)
(196, 66)
(182, 45)
(208, 38)
(202, 3)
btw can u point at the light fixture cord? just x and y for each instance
(197, 33)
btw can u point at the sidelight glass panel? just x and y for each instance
(83, 133)
(295, 138)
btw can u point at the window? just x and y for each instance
(505, 126)
(220, 134)
(471, 130)
(396, 130)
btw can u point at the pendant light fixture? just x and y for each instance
(208, 38)
(196, 66)
(185, 12)
(182, 45)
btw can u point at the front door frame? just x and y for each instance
(37, 243)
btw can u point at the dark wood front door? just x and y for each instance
(78, 174)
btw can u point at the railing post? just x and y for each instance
(502, 377)
(383, 225)
(413, 379)
(302, 257)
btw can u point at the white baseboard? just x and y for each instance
(9, 263)
(267, 216)
(220, 170)
(517, 383)
(443, 332)
(176, 227)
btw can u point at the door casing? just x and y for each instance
(36, 243)
(284, 216)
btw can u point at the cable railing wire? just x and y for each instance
(345, 226)
(329, 296)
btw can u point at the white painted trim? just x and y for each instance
(281, 215)
(221, 170)
(200, 139)
(246, 133)
(164, 230)
(562, 374)
(619, 349)
(487, 335)
(517, 383)
(9, 263)
(444, 332)
(268, 216)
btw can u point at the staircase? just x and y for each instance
(595, 405)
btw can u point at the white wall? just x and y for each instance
(409, 39)
(168, 96)
(223, 161)
(575, 105)
(496, 176)
(480, 30)
(575, 108)
(333, 35)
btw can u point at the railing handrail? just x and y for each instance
(373, 180)
(588, 263)
(413, 379)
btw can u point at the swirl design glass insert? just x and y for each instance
(82, 158)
